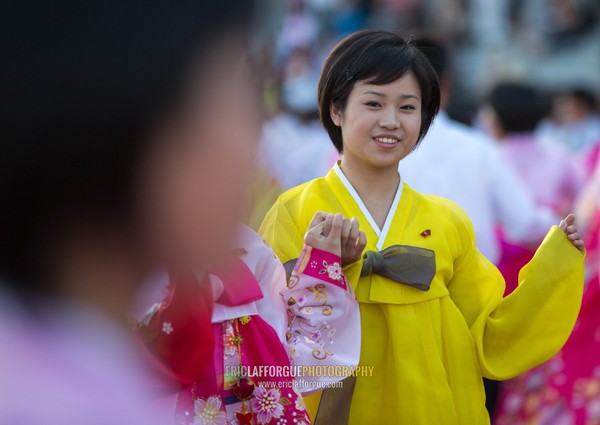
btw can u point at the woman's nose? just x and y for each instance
(389, 119)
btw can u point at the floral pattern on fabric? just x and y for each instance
(265, 403)
(231, 341)
(259, 339)
(586, 396)
(167, 328)
(209, 412)
(321, 265)
(530, 396)
(268, 406)
(304, 328)
(334, 271)
(299, 401)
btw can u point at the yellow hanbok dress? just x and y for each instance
(429, 350)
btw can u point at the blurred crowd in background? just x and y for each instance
(550, 45)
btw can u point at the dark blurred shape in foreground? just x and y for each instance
(111, 141)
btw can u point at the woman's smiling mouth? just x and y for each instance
(386, 141)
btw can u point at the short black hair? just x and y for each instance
(377, 57)
(518, 107)
(584, 96)
(82, 82)
(436, 53)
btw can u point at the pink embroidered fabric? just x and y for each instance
(275, 337)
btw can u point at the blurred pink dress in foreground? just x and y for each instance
(70, 367)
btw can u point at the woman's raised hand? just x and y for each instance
(568, 226)
(336, 234)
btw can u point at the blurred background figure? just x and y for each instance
(511, 114)
(574, 121)
(295, 147)
(114, 160)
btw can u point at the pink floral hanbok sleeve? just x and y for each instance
(315, 313)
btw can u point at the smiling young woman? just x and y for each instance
(433, 317)
(380, 126)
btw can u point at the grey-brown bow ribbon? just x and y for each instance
(410, 265)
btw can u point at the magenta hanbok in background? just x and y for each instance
(551, 176)
(548, 170)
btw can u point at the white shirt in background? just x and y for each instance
(459, 163)
(295, 152)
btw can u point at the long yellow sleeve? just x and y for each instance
(529, 326)
(281, 233)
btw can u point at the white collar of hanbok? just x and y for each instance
(381, 233)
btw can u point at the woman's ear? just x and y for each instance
(336, 114)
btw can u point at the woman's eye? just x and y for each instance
(373, 104)
(408, 108)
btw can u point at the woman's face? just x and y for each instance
(196, 178)
(380, 124)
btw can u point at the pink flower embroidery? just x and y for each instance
(167, 328)
(229, 341)
(266, 404)
(208, 412)
(334, 271)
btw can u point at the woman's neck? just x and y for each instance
(368, 179)
(376, 186)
